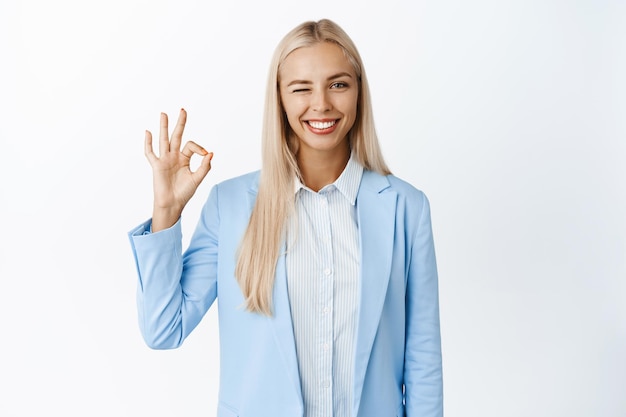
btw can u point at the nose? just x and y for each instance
(320, 101)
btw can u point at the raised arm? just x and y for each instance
(174, 292)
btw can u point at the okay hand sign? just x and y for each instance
(173, 181)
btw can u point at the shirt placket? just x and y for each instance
(324, 308)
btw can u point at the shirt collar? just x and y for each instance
(347, 183)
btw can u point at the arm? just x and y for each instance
(174, 292)
(422, 363)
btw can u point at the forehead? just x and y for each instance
(316, 61)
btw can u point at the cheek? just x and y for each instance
(291, 118)
(294, 124)
(350, 104)
(292, 112)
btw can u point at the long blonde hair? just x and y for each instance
(262, 241)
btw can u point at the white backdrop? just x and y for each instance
(509, 114)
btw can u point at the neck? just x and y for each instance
(319, 168)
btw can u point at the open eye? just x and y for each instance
(339, 84)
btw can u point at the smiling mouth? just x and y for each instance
(321, 125)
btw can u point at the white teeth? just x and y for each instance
(321, 125)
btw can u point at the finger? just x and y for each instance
(192, 147)
(203, 169)
(177, 134)
(148, 147)
(164, 140)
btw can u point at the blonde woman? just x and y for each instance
(323, 261)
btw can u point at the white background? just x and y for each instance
(509, 114)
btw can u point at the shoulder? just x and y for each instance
(390, 183)
(237, 185)
(232, 198)
(248, 180)
(230, 193)
(414, 199)
(405, 188)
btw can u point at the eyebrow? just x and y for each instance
(332, 77)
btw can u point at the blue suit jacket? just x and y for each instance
(397, 368)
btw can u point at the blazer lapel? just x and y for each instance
(376, 210)
(281, 322)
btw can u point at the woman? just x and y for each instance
(323, 262)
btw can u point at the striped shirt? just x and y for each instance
(322, 277)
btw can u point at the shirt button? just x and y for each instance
(327, 271)
(325, 347)
(326, 384)
(325, 310)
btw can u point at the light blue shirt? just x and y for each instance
(322, 264)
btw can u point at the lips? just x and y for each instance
(322, 126)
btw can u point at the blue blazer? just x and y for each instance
(397, 370)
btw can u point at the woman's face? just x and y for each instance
(319, 92)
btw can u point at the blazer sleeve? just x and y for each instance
(422, 363)
(175, 290)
